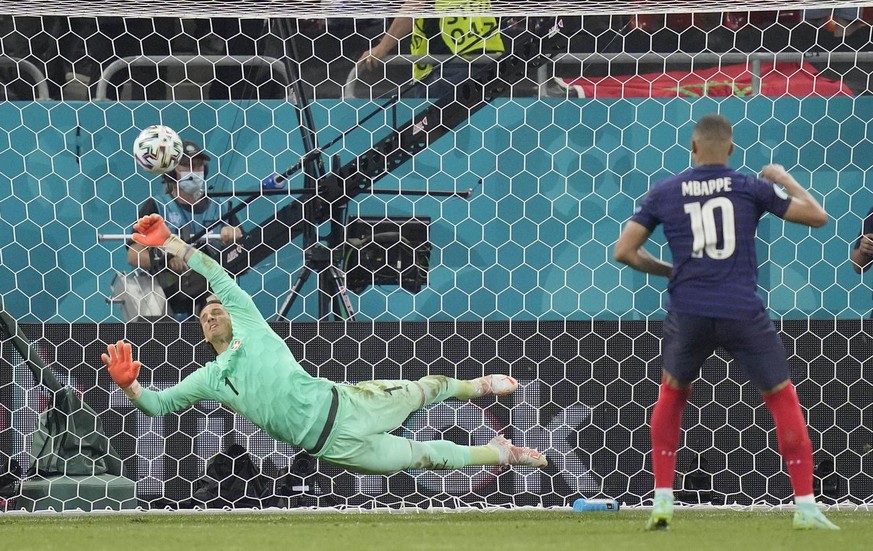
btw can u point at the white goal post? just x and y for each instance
(462, 234)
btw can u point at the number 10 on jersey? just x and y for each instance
(705, 229)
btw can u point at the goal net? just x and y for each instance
(392, 231)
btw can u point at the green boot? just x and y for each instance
(662, 514)
(808, 517)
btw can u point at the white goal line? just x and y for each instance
(413, 510)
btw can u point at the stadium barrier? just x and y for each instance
(587, 392)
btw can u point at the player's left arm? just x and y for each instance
(803, 208)
(629, 250)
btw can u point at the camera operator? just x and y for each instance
(187, 210)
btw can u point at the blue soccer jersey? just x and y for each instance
(710, 214)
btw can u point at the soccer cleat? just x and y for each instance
(496, 385)
(662, 514)
(514, 455)
(808, 517)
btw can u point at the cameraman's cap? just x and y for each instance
(191, 150)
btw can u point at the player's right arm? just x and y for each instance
(151, 231)
(124, 370)
(629, 250)
(400, 28)
(803, 209)
(629, 247)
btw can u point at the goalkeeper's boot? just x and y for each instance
(496, 385)
(662, 514)
(808, 517)
(515, 455)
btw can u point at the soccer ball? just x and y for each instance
(157, 149)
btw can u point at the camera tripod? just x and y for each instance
(332, 295)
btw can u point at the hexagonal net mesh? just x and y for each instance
(417, 206)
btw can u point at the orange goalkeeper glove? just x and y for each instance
(151, 231)
(122, 367)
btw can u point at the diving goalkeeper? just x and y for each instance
(256, 375)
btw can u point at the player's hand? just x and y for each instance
(371, 58)
(229, 234)
(122, 367)
(774, 173)
(150, 231)
(865, 245)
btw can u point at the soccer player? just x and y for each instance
(710, 214)
(256, 375)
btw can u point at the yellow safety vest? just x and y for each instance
(464, 36)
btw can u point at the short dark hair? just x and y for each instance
(714, 128)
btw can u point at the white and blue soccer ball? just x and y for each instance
(157, 149)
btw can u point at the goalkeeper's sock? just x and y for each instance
(437, 454)
(793, 437)
(484, 455)
(665, 426)
(436, 388)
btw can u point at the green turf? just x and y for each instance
(489, 531)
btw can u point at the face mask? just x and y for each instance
(192, 183)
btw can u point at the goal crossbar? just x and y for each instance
(366, 9)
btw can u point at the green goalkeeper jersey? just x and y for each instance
(257, 376)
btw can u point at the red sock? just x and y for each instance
(665, 425)
(794, 443)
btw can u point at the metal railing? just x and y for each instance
(708, 58)
(276, 67)
(348, 90)
(126, 237)
(39, 80)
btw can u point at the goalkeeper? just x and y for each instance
(256, 375)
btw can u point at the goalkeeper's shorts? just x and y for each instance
(365, 413)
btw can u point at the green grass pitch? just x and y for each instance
(695, 530)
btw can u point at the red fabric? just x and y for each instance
(780, 79)
(793, 437)
(666, 424)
